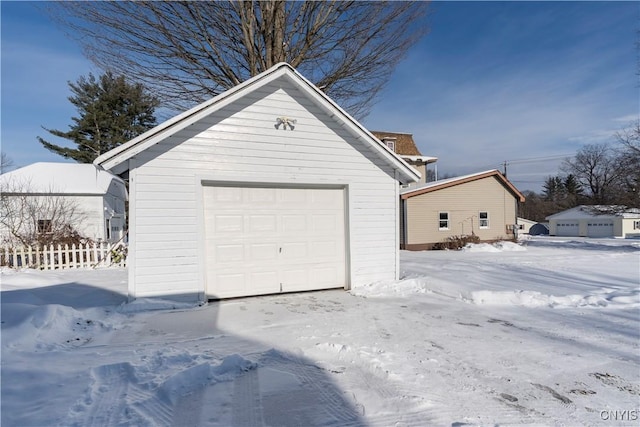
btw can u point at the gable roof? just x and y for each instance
(116, 159)
(451, 182)
(58, 178)
(405, 147)
(404, 142)
(597, 211)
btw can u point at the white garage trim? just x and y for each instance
(265, 238)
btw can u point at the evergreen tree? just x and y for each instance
(573, 191)
(553, 189)
(110, 113)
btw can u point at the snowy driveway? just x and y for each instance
(546, 335)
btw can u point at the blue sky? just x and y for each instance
(522, 82)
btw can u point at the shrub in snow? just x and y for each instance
(456, 242)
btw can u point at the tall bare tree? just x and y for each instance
(187, 52)
(629, 155)
(6, 162)
(596, 168)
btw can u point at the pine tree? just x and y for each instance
(110, 113)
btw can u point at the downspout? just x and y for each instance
(397, 217)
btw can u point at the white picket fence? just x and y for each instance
(53, 257)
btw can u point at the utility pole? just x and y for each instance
(505, 169)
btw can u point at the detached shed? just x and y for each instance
(269, 187)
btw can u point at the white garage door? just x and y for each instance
(268, 240)
(600, 229)
(567, 228)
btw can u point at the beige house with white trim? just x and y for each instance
(484, 204)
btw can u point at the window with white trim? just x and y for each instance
(636, 225)
(443, 221)
(483, 219)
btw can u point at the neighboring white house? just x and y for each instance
(97, 195)
(596, 221)
(269, 187)
(524, 225)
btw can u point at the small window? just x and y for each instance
(636, 225)
(444, 221)
(108, 220)
(484, 219)
(391, 145)
(44, 226)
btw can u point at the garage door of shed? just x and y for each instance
(264, 240)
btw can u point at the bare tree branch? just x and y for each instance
(33, 217)
(187, 52)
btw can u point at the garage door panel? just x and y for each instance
(229, 253)
(263, 251)
(228, 223)
(327, 249)
(567, 228)
(262, 224)
(268, 240)
(265, 197)
(294, 250)
(294, 223)
(324, 223)
(600, 229)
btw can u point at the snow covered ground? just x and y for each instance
(545, 333)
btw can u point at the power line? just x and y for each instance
(538, 159)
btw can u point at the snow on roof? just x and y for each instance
(444, 183)
(58, 178)
(600, 211)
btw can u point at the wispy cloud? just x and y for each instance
(537, 81)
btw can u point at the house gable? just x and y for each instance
(280, 75)
(446, 183)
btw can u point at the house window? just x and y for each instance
(484, 219)
(390, 143)
(44, 226)
(636, 225)
(108, 220)
(444, 221)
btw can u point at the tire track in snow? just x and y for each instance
(247, 405)
(106, 402)
(314, 378)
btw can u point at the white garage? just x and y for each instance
(269, 187)
(598, 221)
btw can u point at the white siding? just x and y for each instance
(241, 144)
